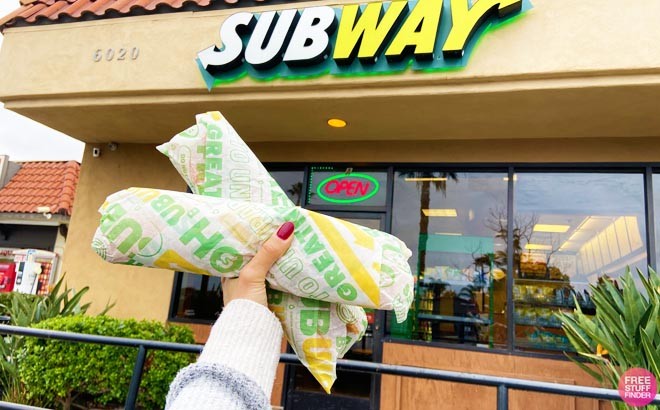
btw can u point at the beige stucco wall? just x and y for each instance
(636, 150)
(557, 38)
(589, 68)
(138, 292)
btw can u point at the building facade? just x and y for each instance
(36, 203)
(517, 179)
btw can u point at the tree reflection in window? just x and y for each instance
(442, 215)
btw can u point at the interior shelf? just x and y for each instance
(455, 319)
(550, 281)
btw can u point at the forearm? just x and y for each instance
(243, 347)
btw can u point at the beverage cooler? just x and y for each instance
(34, 271)
(7, 276)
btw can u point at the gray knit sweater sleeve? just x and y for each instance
(237, 367)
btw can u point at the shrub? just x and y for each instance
(26, 310)
(624, 333)
(68, 373)
(7, 298)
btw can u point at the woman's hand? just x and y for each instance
(251, 282)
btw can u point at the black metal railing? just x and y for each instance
(502, 384)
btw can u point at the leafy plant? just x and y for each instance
(624, 333)
(26, 310)
(82, 375)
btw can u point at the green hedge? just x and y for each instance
(91, 375)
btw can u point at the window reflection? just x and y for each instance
(656, 205)
(571, 231)
(453, 223)
(200, 297)
(291, 183)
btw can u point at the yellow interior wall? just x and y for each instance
(138, 292)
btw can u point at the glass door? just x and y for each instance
(352, 390)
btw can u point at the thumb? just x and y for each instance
(270, 252)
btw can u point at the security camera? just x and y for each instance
(96, 152)
(112, 146)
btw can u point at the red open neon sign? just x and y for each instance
(348, 188)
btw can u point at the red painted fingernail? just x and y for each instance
(285, 230)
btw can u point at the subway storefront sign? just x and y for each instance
(372, 38)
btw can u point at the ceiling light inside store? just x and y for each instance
(578, 230)
(538, 247)
(585, 230)
(425, 179)
(450, 213)
(449, 233)
(515, 178)
(551, 228)
(569, 246)
(336, 123)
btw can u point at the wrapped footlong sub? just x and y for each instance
(317, 289)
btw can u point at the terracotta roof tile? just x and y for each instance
(98, 7)
(75, 8)
(51, 184)
(11, 16)
(59, 11)
(52, 10)
(32, 9)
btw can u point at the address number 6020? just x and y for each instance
(111, 54)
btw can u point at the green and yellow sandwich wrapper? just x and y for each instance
(317, 289)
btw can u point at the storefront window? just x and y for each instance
(656, 206)
(199, 297)
(453, 222)
(291, 183)
(570, 230)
